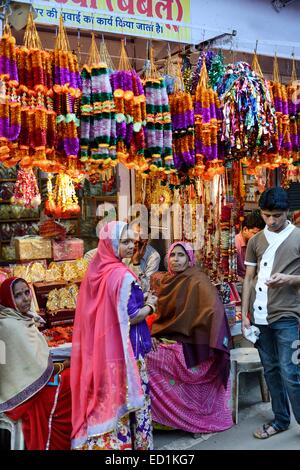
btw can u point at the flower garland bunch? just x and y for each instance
(158, 126)
(10, 113)
(130, 116)
(208, 121)
(98, 127)
(182, 113)
(249, 120)
(26, 192)
(10, 110)
(293, 93)
(62, 201)
(34, 138)
(67, 93)
(66, 70)
(138, 143)
(8, 59)
(33, 67)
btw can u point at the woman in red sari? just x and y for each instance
(32, 388)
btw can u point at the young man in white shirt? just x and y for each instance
(270, 294)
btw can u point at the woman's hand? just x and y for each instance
(151, 300)
(66, 363)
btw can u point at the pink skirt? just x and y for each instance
(188, 399)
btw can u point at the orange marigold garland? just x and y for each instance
(182, 113)
(67, 92)
(208, 121)
(10, 114)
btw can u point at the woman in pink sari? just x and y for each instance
(188, 371)
(109, 383)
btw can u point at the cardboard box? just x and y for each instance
(33, 247)
(69, 249)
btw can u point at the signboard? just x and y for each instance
(156, 19)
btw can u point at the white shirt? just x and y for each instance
(274, 239)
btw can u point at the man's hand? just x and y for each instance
(245, 324)
(139, 251)
(279, 280)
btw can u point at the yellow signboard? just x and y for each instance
(156, 19)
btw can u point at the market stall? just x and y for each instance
(202, 136)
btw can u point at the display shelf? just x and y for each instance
(103, 198)
(8, 180)
(21, 219)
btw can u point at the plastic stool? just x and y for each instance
(245, 360)
(15, 429)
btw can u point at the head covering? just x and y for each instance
(105, 381)
(25, 365)
(6, 292)
(190, 311)
(189, 251)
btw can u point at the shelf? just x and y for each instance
(4, 201)
(104, 198)
(21, 219)
(8, 180)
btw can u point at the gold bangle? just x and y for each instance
(60, 368)
(151, 306)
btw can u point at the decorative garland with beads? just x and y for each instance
(158, 126)
(98, 124)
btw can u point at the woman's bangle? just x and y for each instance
(151, 306)
(60, 367)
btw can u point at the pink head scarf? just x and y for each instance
(189, 251)
(105, 381)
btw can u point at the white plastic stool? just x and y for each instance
(15, 429)
(245, 360)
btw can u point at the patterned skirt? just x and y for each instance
(193, 399)
(133, 431)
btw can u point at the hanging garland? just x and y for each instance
(248, 115)
(26, 191)
(207, 126)
(129, 101)
(158, 127)
(67, 92)
(182, 113)
(62, 201)
(98, 125)
(10, 111)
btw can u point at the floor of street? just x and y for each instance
(252, 414)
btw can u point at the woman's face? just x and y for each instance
(179, 260)
(126, 245)
(22, 296)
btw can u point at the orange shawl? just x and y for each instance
(190, 311)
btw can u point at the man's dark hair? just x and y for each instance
(274, 199)
(253, 220)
